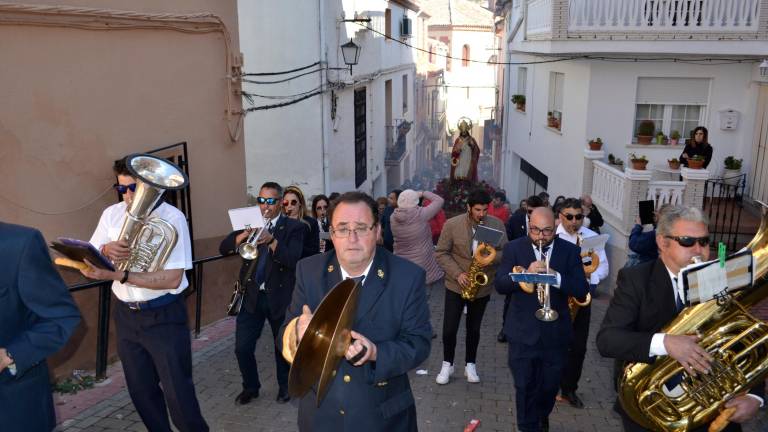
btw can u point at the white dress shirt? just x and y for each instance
(602, 269)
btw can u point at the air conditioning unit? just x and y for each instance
(406, 28)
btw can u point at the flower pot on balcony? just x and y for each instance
(674, 141)
(551, 121)
(639, 164)
(520, 106)
(731, 176)
(644, 139)
(674, 164)
(595, 145)
(695, 163)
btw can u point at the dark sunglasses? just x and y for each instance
(121, 189)
(571, 216)
(686, 241)
(292, 202)
(268, 201)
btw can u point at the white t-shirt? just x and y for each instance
(108, 230)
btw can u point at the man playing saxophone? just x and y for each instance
(538, 348)
(455, 252)
(648, 297)
(572, 229)
(153, 338)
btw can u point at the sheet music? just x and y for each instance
(542, 278)
(246, 216)
(595, 243)
(706, 280)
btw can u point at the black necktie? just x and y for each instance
(679, 304)
(358, 279)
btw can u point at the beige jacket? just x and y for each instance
(454, 251)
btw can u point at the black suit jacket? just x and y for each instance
(37, 317)
(521, 326)
(311, 237)
(516, 226)
(392, 312)
(280, 265)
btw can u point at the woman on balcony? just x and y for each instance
(698, 145)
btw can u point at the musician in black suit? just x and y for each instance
(646, 300)
(37, 317)
(517, 226)
(391, 322)
(269, 287)
(538, 349)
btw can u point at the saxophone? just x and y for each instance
(483, 256)
(737, 341)
(593, 262)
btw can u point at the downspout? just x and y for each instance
(323, 60)
(525, 17)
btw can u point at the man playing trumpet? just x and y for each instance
(572, 229)
(538, 349)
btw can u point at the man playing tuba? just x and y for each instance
(538, 348)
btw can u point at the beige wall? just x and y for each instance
(74, 100)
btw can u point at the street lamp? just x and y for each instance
(764, 68)
(351, 53)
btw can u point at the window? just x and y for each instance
(672, 104)
(555, 103)
(405, 94)
(361, 170)
(465, 56)
(388, 23)
(522, 78)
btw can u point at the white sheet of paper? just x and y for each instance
(246, 216)
(705, 280)
(595, 243)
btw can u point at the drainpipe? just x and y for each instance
(525, 17)
(323, 60)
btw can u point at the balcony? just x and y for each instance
(396, 142)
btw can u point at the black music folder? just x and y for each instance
(79, 250)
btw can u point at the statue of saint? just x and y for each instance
(465, 153)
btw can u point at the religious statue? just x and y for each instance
(465, 153)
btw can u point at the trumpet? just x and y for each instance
(249, 249)
(546, 313)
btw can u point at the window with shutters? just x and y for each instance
(672, 104)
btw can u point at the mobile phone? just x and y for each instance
(646, 212)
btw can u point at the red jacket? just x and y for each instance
(500, 212)
(436, 223)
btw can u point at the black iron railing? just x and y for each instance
(723, 206)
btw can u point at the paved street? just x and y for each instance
(440, 408)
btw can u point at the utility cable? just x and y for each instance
(282, 80)
(282, 72)
(280, 105)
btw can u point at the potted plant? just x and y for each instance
(596, 144)
(660, 138)
(638, 162)
(674, 163)
(551, 120)
(732, 171)
(645, 132)
(519, 100)
(696, 162)
(674, 137)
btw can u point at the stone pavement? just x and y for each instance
(440, 408)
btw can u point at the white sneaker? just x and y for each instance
(445, 373)
(471, 373)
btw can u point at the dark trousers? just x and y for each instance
(507, 299)
(577, 350)
(247, 332)
(155, 348)
(537, 372)
(454, 306)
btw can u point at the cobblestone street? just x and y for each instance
(440, 408)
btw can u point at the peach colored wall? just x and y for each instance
(75, 100)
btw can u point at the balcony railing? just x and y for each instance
(608, 188)
(664, 15)
(665, 192)
(539, 16)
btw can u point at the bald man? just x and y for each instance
(538, 349)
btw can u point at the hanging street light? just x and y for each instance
(351, 53)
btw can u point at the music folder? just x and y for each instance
(244, 217)
(485, 234)
(541, 278)
(79, 250)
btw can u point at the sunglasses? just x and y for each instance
(121, 189)
(571, 216)
(268, 201)
(292, 202)
(686, 241)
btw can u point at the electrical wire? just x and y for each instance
(59, 213)
(249, 96)
(282, 80)
(282, 72)
(280, 105)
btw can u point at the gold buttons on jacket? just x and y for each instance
(341, 412)
(347, 378)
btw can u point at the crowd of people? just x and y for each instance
(403, 249)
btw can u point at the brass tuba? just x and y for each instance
(484, 256)
(151, 240)
(737, 341)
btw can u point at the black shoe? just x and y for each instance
(545, 424)
(573, 399)
(245, 396)
(282, 397)
(501, 337)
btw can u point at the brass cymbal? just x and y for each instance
(325, 341)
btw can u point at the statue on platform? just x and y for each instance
(465, 153)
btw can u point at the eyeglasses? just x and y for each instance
(121, 189)
(571, 216)
(268, 201)
(344, 232)
(292, 202)
(686, 241)
(321, 207)
(536, 230)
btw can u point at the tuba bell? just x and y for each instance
(150, 239)
(737, 341)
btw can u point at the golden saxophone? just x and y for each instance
(737, 341)
(484, 256)
(590, 260)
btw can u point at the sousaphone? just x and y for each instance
(325, 341)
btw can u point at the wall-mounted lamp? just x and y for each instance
(764, 68)
(351, 53)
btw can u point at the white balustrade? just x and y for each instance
(664, 15)
(665, 192)
(539, 16)
(608, 188)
